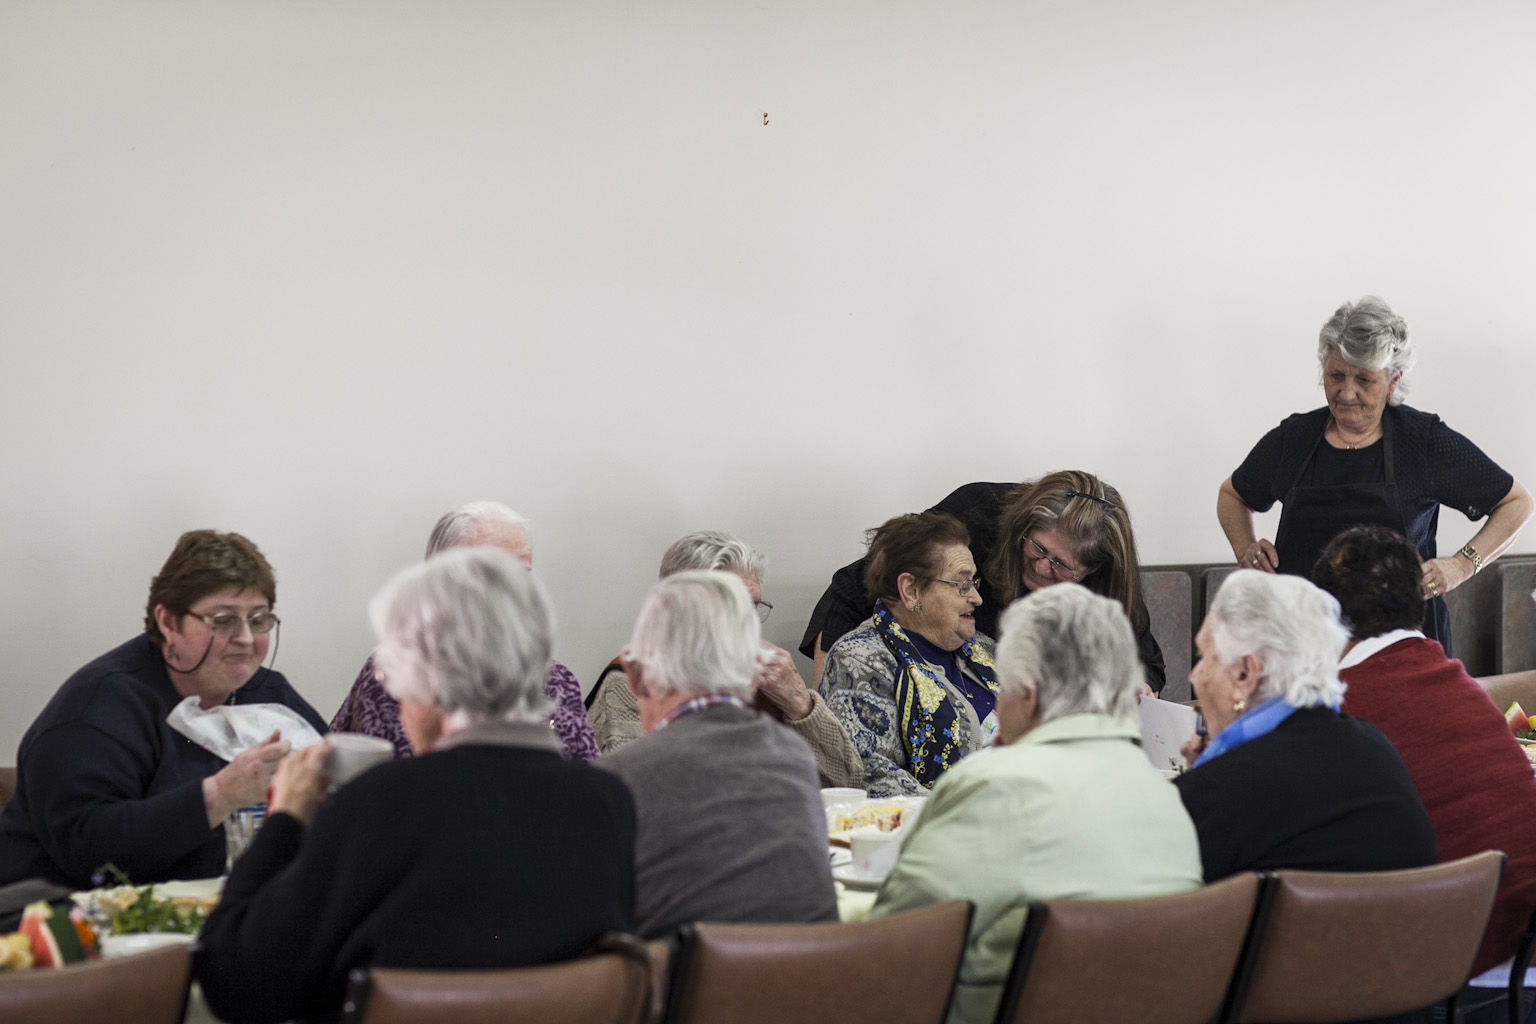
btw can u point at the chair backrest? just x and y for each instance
(1349, 946)
(1097, 959)
(7, 785)
(147, 988)
(605, 988)
(893, 970)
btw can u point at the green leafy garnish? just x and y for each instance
(148, 914)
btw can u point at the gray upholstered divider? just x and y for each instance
(1517, 633)
(1169, 594)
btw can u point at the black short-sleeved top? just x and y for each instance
(845, 604)
(1322, 792)
(1432, 464)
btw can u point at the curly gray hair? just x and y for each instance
(1369, 335)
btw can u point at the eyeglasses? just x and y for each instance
(1061, 570)
(962, 587)
(764, 609)
(228, 623)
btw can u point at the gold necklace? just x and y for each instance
(1338, 432)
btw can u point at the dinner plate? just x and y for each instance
(113, 946)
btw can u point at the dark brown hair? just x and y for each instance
(1375, 574)
(1093, 517)
(203, 562)
(911, 543)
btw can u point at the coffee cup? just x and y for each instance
(353, 753)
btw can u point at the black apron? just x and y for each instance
(1310, 517)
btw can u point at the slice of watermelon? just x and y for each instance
(34, 925)
(54, 939)
(1517, 719)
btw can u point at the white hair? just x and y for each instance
(1291, 626)
(470, 633)
(713, 549)
(698, 632)
(1369, 335)
(1074, 649)
(455, 527)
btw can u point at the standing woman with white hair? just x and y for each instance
(489, 849)
(1284, 780)
(1366, 458)
(1067, 806)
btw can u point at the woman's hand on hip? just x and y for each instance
(300, 783)
(1260, 555)
(1443, 575)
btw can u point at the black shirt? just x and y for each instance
(1322, 792)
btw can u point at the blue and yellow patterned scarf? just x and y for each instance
(927, 714)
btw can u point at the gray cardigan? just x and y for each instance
(731, 826)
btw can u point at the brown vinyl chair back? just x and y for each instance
(147, 988)
(1349, 946)
(7, 785)
(1093, 960)
(894, 970)
(612, 987)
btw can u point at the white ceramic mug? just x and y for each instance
(875, 853)
(353, 753)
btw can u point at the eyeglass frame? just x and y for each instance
(1061, 570)
(235, 617)
(764, 609)
(962, 587)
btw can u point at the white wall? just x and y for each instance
(317, 272)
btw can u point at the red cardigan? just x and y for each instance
(1474, 779)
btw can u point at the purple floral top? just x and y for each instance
(368, 709)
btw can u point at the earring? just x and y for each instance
(170, 655)
(917, 606)
(1240, 706)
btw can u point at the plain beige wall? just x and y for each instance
(317, 272)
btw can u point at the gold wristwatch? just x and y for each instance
(1477, 559)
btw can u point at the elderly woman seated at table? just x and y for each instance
(778, 690)
(102, 775)
(731, 823)
(488, 849)
(368, 707)
(1284, 780)
(1474, 779)
(1068, 805)
(914, 684)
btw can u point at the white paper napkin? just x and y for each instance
(228, 729)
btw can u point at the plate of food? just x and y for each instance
(873, 814)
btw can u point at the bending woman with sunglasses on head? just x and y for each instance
(1067, 526)
(102, 776)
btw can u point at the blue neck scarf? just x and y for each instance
(1260, 720)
